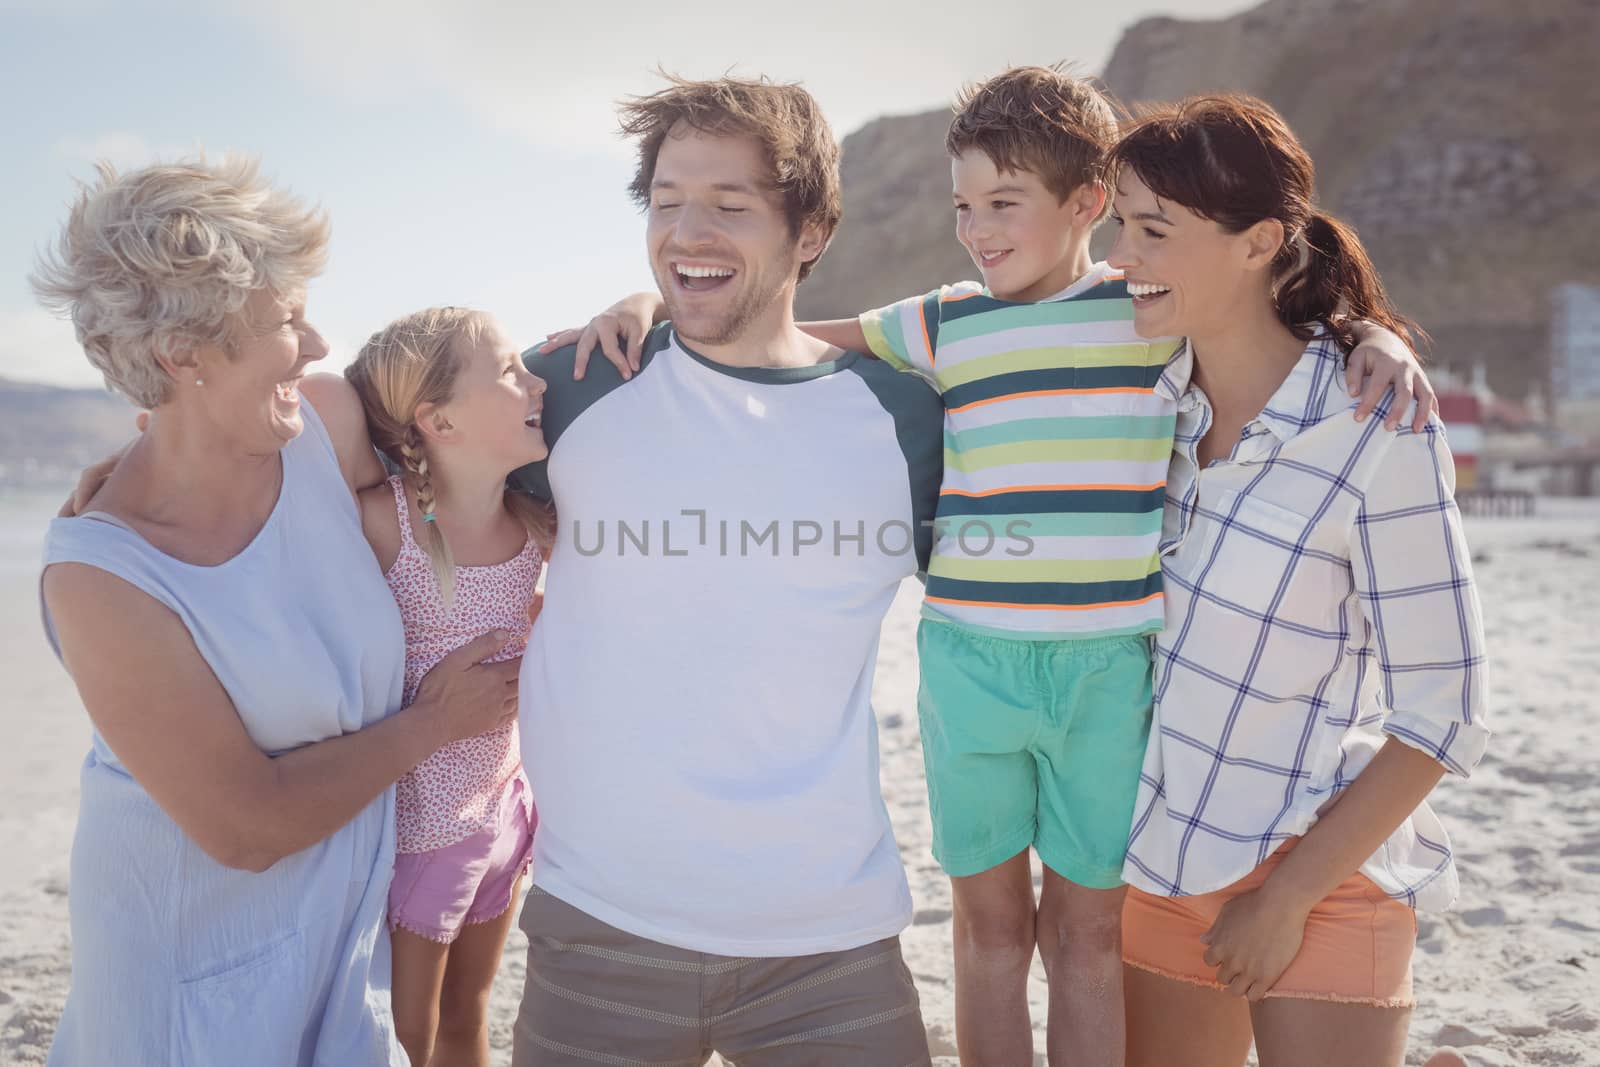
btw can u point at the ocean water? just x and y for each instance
(24, 516)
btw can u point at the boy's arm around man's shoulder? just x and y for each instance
(905, 334)
(840, 333)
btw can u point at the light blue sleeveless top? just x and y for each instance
(177, 959)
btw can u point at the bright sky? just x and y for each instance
(466, 151)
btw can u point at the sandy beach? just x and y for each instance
(1511, 977)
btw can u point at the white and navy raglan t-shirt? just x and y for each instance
(694, 697)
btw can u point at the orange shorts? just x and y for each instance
(1357, 947)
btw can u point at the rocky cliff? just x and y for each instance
(1457, 136)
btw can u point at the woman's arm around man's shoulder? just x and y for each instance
(340, 409)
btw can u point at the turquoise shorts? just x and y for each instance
(1032, 743)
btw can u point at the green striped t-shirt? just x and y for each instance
(1058, 427)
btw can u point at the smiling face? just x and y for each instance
(496, 407)
(1186, 274)
(1022, 238)
(253, 391)
(721, 247)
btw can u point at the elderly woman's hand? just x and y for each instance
(468, 697)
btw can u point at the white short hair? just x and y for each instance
(162, 259)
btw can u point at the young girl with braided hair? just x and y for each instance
(448, 400)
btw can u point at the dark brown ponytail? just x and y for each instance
(1336, 283)
(1233, 160)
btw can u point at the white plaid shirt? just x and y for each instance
(1319, 598)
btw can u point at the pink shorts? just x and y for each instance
(434, 894)
(1357, 947)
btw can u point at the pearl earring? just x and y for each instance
(199, 381)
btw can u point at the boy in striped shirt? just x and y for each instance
(1045, 581)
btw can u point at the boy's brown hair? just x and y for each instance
(785, 119)
(1044, 120)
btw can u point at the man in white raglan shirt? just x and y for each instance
(714, 867)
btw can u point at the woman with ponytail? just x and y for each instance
(448, 400)
(1322, 663)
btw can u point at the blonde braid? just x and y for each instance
(409, 363)
(415, 460)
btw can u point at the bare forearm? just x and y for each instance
(840, 333)
(1391, 787)
(339, 407)
(317, 789)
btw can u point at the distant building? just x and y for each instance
(1461, 410)
(1575, 343)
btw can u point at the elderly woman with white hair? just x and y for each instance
(235, 645)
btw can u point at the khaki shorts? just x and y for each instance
(597, 995)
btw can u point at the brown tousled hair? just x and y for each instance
(1043, 120)
(785, 119)
(1232, 159)
(416, 360)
